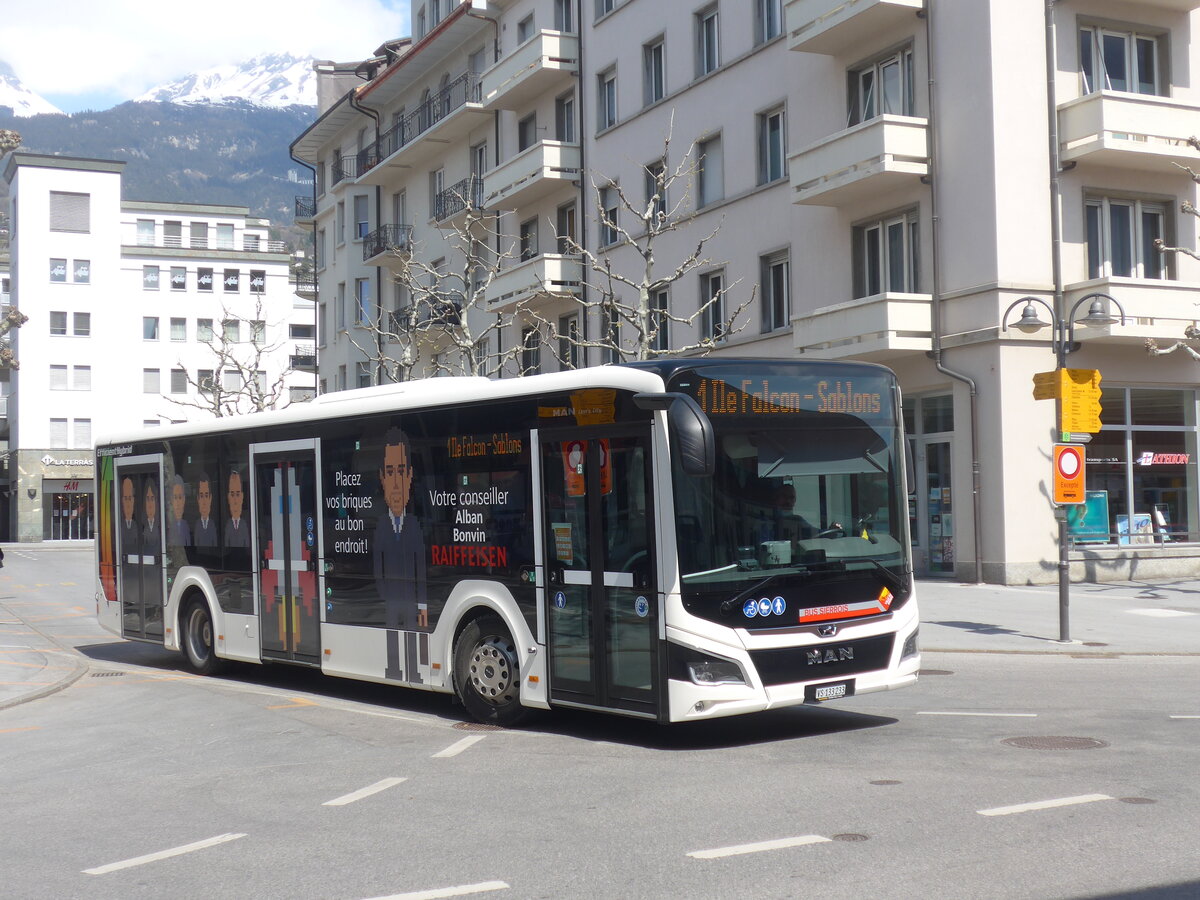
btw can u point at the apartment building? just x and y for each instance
(883, 180)
(131, 305)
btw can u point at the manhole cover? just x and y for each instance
(934, 672)
(1038, 742)
(476, 726)
(850, 838)
(1137, 801)
(885, 781)
(1094, 644)
(107, 674)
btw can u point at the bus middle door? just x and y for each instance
(600, 593)
(140, 575)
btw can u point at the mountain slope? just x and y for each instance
(21, 99)
(274, 80)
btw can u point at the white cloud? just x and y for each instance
(128, 46)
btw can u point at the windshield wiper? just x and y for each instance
(898, 583)
(735, 602)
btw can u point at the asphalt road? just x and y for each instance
(1039, 775)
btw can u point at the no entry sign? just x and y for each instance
(1068, 473)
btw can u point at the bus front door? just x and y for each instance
(286, 539)
(601, 602)
(140, 547)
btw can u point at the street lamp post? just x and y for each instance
(1063, 343)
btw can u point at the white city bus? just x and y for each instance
(673, 540)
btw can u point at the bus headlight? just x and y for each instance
(715, 671)
(911, 646)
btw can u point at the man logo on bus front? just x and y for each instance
(399, 562)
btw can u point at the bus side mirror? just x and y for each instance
(691, 431)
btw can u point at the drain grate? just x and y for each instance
(1094, 644)
(1038, 742)
(851, 838)
(934, 672)
(1137, 801)
(107, 674)
(885, 781)
(476, 726)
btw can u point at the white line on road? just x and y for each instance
(779, 844)
(1042, 804)
(162, 854)
(364, 792)
(1185, 717)
(994, 715)
(460, 891)
(1160, 613)
(459, 746)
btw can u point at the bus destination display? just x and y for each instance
(781, 396)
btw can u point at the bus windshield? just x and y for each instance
(807, 489)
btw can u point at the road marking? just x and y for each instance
(364, 792)
(994, 715)
(460, 891)
(458, 746)
(163, 854)
(1161, 613)
(15, 730)
(1043, 804)
(295, 704)
(1185, 717)
(761, 846)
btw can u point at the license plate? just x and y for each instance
(822, 692)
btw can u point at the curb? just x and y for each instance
(80, 668)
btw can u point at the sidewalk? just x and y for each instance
(1105, 619)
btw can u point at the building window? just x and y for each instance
(711, 171)
(886, 256)
(884, 87)
(258, 332)
(150, 328)
(529, 239)
(339, 311)
(82, 324)
(525, 29)
(712, 305)
(564, 118)
(81, 378)
(567, 233)
(708, 51)
(231, 381)
(231, 331)
(204, 279)
(531, 351)
(58, 378)
(421, 28)
(1115, 60)
(526, 133)
(654, 72)
(224, 236)
(362, 301)
(232, 281)
(564, 15)
(204, 331)
(82, 271)
(776, 293)
(70, 212)
(1121, 235)
(198, 232)
(340, 222)
(362, 374)
(258, 281)
(608, 216)
(58, 322)
(604, 7)
(205, 381)
(150, 278)
(58, 434)
(768, 20)
(58, 270)
(319, 249)
(250, 242)
(656, 189)
(300, 332)
(179, 329)
(301, 394)
(178, 278)
(362, 223)
(83, 432)
(659, 322)
(172, 234)
(568, 341)
(437, 184)
(606, 99)
(150, 381)
(772, 139)
(179, 382)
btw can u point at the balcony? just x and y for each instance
(878, 327)
(389, 246)
(306, 285)
(451, 205)
(1154, 308)
(306, 210)
(543, 65)
(1129, 131)
(531, 175)
(423, 134)
(345, 168)
(1171, 5)
(547, 275)
(249, 243)
(303, 358)
(864, 161)
(832, 27)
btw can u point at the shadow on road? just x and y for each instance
(981, 628)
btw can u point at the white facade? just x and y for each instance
(911, 204)
(126, 302)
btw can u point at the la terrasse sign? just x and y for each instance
(49, 460)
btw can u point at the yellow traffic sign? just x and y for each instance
(1080, 400)
(1046, 385)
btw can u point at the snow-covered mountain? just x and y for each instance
(23, 101)
(276, 80)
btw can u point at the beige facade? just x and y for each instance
(878, 179)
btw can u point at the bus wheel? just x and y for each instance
(487, 672)
(198, 639)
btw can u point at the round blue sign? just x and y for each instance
(764, 606)
(560, 600)
(779, 606)
(641, 606)
(750, 610)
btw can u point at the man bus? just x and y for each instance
(674, 540)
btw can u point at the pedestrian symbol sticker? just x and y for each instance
(560, 600)
(778, 606)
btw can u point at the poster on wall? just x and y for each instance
(1138, 531)
(1087, 522)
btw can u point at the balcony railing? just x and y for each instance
(249, 244)
(864, 161)
(306, 285)
(462, 90)
(458, 198)
(836, 26)
(387, 239)
(1135, 131)
(306, 207)
(304, 356)
(345, 167)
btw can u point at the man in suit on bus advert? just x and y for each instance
(131, 534)
(205, 529)
(181, 534)
(237, 533)
(399, 560)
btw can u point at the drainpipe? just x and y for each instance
(581, 232)
(936, 298)
(1055, 165)
(374, 114)
(317, 299)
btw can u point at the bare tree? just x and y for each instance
(633, 321)
(13, 318)
(233, 379)
(1191, 333)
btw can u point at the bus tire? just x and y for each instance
(487, 672)
(199, 639)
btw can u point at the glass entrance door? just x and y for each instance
(285, 530)
(939, 508)
(601, 603)
(140, 548)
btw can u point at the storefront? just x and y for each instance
(52, 496)
(929, 423)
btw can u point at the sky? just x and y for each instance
(94, 54)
